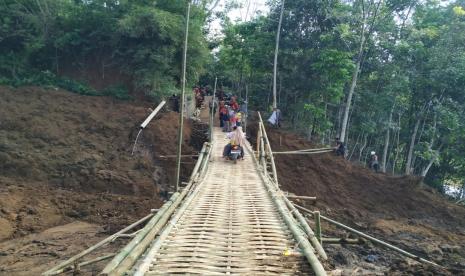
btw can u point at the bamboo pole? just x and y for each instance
(213, 111)
(150, 117)
(259, 139)
(302, 152)
(73, 259)
(303, 222)
(138, 239)
(275, 64)
(342, 241)
(307, 150)
(199, 163)
(368, 237)
(184, 155)
(308, 231)
(303, 243)
(267, 141)
(129, 255)
(318, 226)
(301, 197)
(183, 91)
(262, 150)
(206, 159)
(144, 265)
(96, 260)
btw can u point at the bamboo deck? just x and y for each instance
(231, 226)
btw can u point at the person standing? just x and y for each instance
(239, 118)
(232, 118)
(340, 148)
(174, 103)
(374, 164)
(234, 104)
(226, 123)
(222, 112)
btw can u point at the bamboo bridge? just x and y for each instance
(229, 219)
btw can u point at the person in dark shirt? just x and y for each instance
(174, 102)
(340, 149)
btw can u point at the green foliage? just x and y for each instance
(48, 79)
(412, 70)
(117, 91)
(141, 39)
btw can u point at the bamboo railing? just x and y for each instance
(127, 256)
(302, 232)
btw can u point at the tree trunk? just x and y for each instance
(345, 119)
(431, 162)
(386, 142)
(354, 147)
(275, 66)
(411, 146)
(362, 147)
(394, 162)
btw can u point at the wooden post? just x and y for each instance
(212, 111)
(317, 226)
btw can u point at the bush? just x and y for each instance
(117, 91)
(49, 79)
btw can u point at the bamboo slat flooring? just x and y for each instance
(231, 227)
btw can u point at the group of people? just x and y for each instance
(230, 115)
(340, 150)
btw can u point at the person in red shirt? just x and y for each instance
(234, 104)
(223, 112)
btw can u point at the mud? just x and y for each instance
(398, 210)
(66, 158)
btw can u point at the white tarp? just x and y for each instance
(273, 118)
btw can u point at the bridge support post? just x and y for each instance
(318, 226)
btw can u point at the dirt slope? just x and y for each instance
(400, 210)
(66, 158)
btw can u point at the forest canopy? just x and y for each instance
(113, 45)
(403, 62)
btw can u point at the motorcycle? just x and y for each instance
(235, 153)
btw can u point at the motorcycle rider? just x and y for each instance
(236, 138)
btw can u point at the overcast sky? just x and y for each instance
(248, 10)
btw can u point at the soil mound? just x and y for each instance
(400, 210)
(65, 157)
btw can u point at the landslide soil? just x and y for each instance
(398, 210)
(67, 177)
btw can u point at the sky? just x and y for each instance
(247, 11)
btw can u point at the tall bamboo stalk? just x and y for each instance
(183, 91)
(275, 65)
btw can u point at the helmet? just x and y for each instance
(373, 153)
